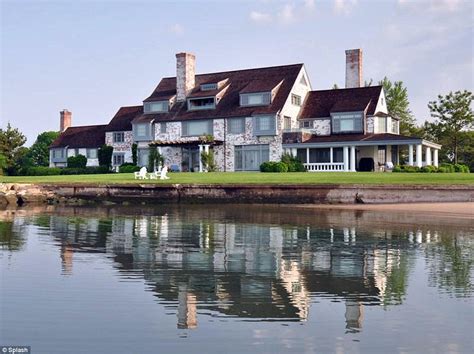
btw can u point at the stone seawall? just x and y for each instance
(281, 194)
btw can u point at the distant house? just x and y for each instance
(255, 115)
(73, 141)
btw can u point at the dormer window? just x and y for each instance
(156, 107)
(255, 99)
(201, 103)
(209, 87)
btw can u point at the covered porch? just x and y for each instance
(352, 156)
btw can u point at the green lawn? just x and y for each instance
(261, 178)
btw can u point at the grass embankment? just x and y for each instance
(260, 178)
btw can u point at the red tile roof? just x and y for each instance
(320, 104)
(229, 105)
(122, 121)
(87, 136)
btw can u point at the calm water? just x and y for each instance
(235, 279)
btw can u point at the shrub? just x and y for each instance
(207, 159)
(272, 166)
(105, 155)
(43, 171)
(128, 168)
(85, 171)
(79, 161)
(294, 164)
(280, 167)
(459, 167)
(410, 169)
(426, 169)
(442, 170)
(449, 167)
(397, 168)
(267, 166)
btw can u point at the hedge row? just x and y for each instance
(288, 163)
(443, 168)
(55, 171)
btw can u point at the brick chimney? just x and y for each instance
(185, 71)
(354, 68)
(65, 120)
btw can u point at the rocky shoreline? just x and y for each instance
(76, 194)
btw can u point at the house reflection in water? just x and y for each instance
(252, 271)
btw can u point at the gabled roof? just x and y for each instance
(86, 136)
(122, 121)
(320, 104)
(229, 105)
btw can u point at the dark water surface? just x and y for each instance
(235, 279)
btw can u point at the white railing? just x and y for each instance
(324, 167)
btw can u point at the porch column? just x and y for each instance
(410, 155)
(200, 161)
(428, 156)
(435, 157)
(346, 158)
(330, 155)
(353, 158)
(418, 156)
(307, 155)
(293, 152)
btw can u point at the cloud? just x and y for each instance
(309, 4)
(286, 14)
(260, 17)
(344, 7)
(434, 5)
(177, 29)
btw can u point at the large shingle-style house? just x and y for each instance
(254, 115)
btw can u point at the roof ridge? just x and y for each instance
(233, 71)
(87, 126)
(348, 88)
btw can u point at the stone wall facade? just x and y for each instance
(125, 147)
(322, 126)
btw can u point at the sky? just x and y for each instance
(91, 57)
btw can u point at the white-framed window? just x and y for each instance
(382, 123)
(118, 137)
(346, 125)
(255, 99)
(118, 159)
(197, 128)
(236, 125)
(58, 153)
(141, 129)
(264, 125)
(209, 87)
(163, 127)
(91, 153)
(156, 107)
(350, 122)
(295, 100)
(286, 122)
(201, 103)
(306, 124)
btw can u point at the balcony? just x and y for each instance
(324, 167)
(297, 135)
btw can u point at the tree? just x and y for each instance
(398, 105)
(207, 159)
(135, 154)
(453, 115)
(3, 163)
(155, 159)
(39, 151)
(11, 140)
(79, 161)
(105, 155)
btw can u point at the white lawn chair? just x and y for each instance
(163, 173)
(142, 174)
